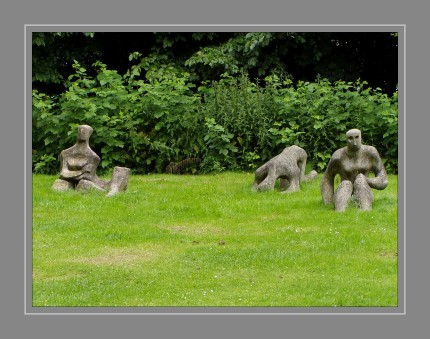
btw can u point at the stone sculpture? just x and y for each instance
(78, 165)
(353, 163)
(289, 166)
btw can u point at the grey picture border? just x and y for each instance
(399, 310)
(15, 324)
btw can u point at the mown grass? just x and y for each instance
(209, 241)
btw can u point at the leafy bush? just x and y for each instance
(315, 116)
(324, 111)
(219, 148)
(154, 115)
(139, 124)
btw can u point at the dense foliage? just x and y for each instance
(155, 114)
(300, 56)
(231, 99)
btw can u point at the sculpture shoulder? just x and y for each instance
(369, 148)
(371, 151)
(68, 151)
(335, 161)
(76, 150)
(338, 154)
(94, 155)
(294, 149)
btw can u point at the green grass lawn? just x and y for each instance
(209, 241)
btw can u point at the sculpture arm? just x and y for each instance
(380, 181)
(66, 173)
(327, 183)
(84, 173)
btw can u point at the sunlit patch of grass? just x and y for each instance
(118, 256)
(209, 241)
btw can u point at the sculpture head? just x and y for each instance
(84, 132)
(353, 139)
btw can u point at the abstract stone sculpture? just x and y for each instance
(289, 166)
(78, 165)
(353, 163)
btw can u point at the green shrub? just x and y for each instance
(315, 116)
(138, 124)
(154, 115)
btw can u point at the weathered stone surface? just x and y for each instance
(362, 193)
(343, 195)
(78, 166)
(62, 185)
(119, 180)
(79, 161)
(86, 185)
(288, 166)
(353, 164)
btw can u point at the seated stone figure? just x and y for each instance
(353, 163)
(289, 166)
(78, 165)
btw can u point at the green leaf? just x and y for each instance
(105, 163)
